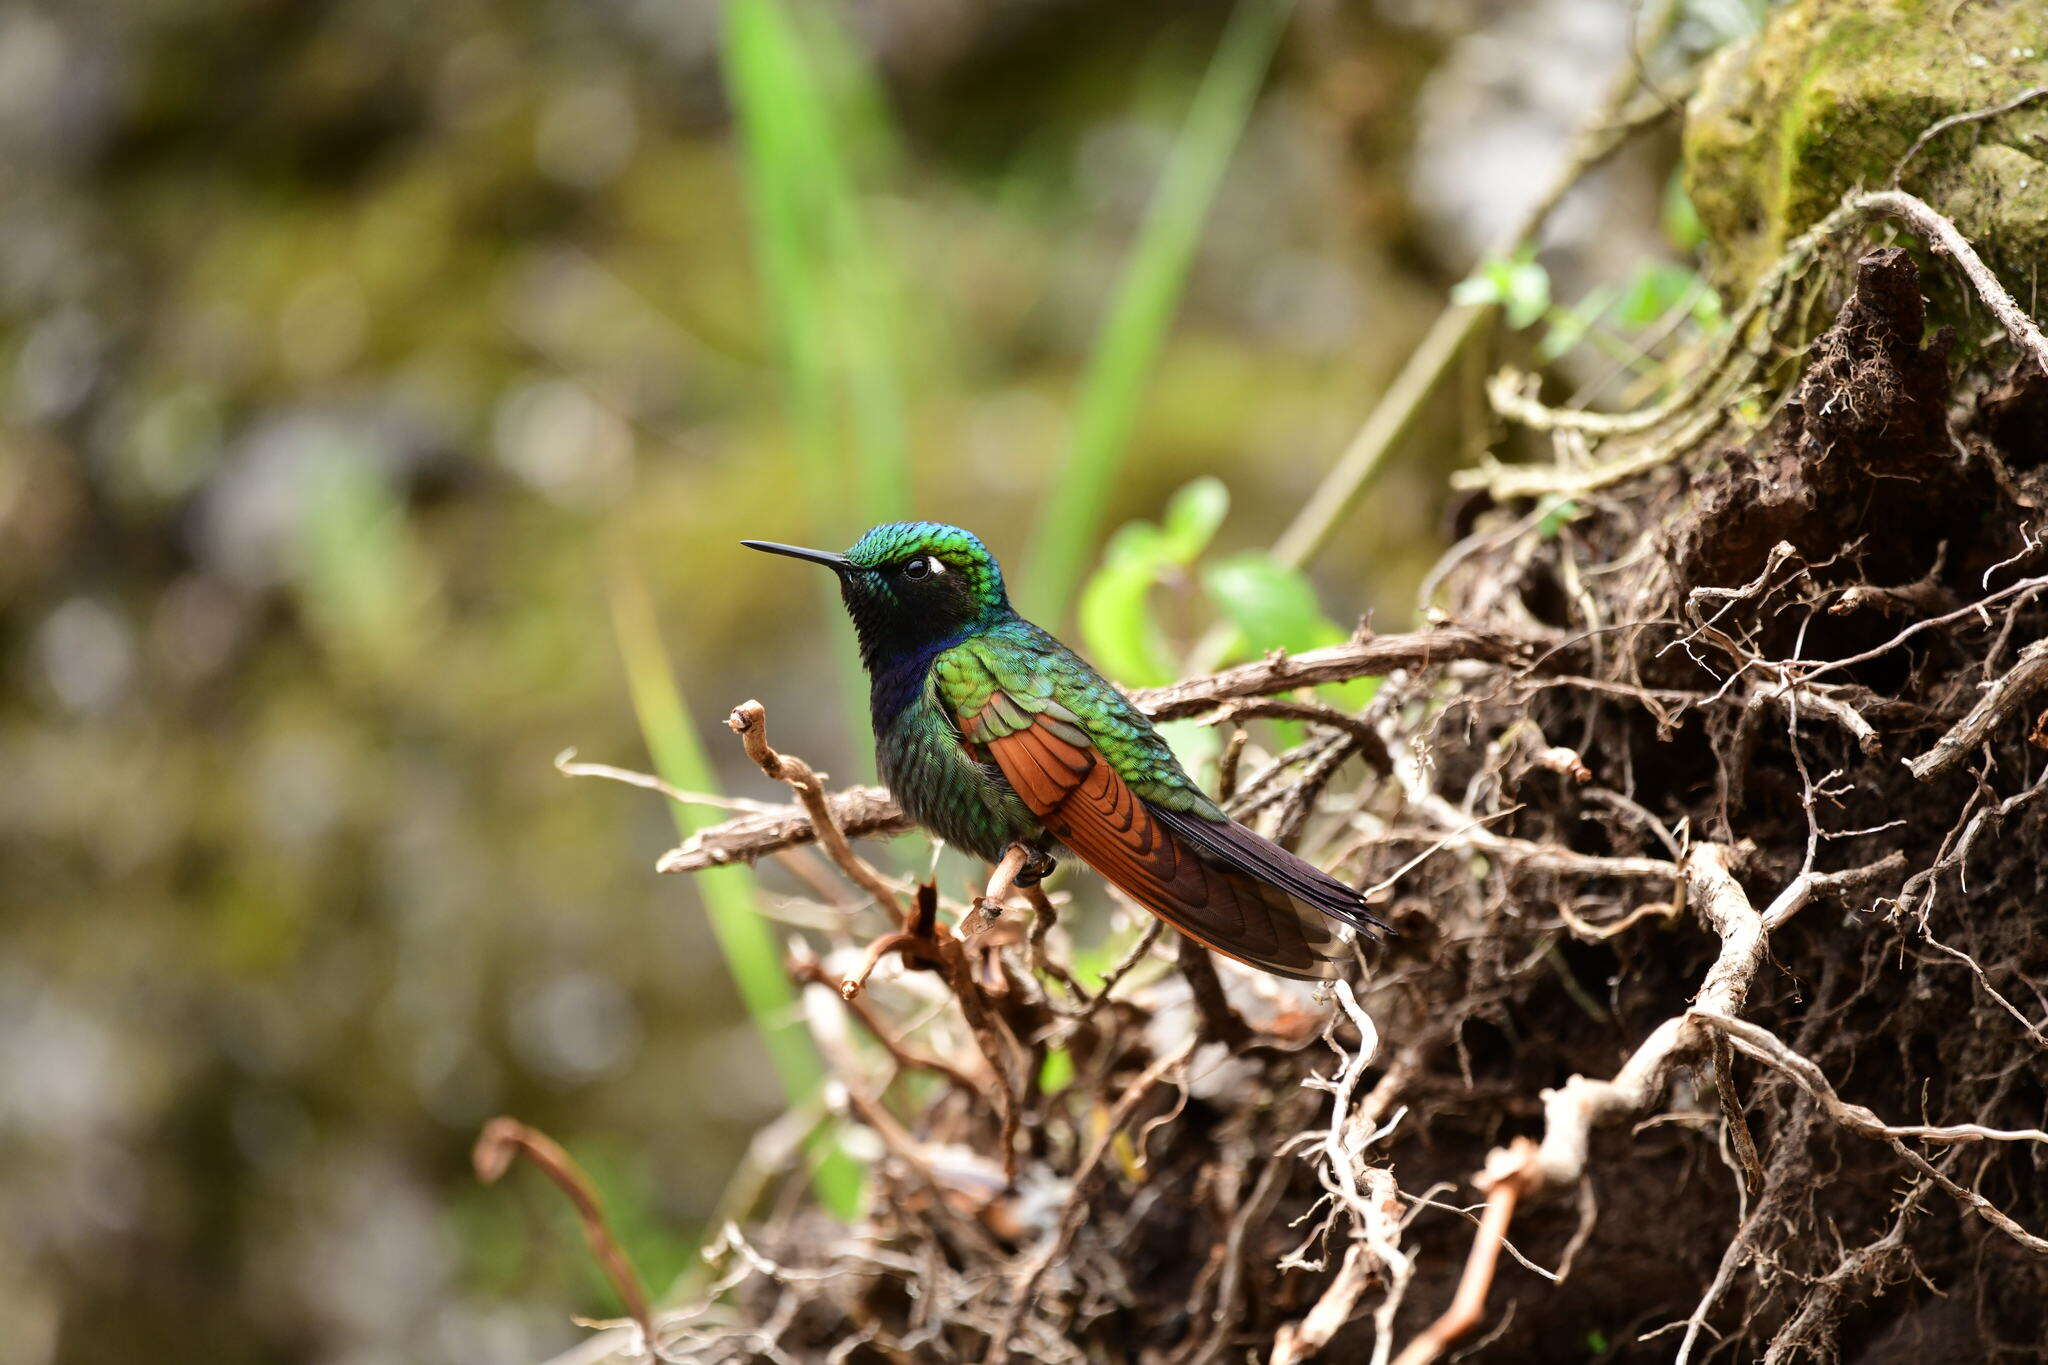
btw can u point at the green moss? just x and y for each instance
(1830, 97)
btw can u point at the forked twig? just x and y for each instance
(749, 720)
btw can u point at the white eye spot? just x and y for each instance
(922, 567)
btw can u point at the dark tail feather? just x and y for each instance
(1253, 854)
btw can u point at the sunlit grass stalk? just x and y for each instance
(811, 116)
(830, 293)
(1142, 312)
(751, 953)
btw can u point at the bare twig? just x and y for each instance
(856, 811)
(503, 1141)
(567, 766)
(988, 906)
(749, 720)
(860, 811)
(1363, 657)
(1940, 126)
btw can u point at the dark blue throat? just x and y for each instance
(895, 682)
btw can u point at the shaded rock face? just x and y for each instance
(1833, 95)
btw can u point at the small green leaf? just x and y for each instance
(1273, 605)
(1479, 288)
(1527, 294)
(1656, 289)
(1192, 519)
(1568, 326)
(1115, 612)
(1518, 284)
(1707, 311)
(1557, 518)
(1056, 1073)
(1682, 226)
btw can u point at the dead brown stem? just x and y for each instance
(858, 811)
(1219, 1021)
(749, 720)
(809, 969)
(504, 1140)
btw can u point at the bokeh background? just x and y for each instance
(358, 360)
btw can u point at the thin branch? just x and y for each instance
(503, 1141)
(566, 765)
(1940, 126)
(858, 811)
(1363, 657)
(749, 720)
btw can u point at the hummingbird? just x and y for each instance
(991, 734)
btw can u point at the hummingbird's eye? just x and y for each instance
(920, 568)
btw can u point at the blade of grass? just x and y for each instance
(750, 950)
(1146, 300)
(811, 119)
(800, 106)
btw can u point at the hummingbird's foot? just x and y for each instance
(1037, 868)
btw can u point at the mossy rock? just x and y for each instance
(1833, 93)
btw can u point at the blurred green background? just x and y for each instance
(360, 362)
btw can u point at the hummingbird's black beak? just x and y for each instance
(837, 562)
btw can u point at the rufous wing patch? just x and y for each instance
(1088, 806)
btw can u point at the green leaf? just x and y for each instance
(1192, 519)
(1272, 605)
(1682, 226)
(1655, 290)
(1115, 610)
(1559, 516)
(1527, 293)
(1275, 607)
(1518, 284)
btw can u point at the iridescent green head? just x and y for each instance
(909, 585)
